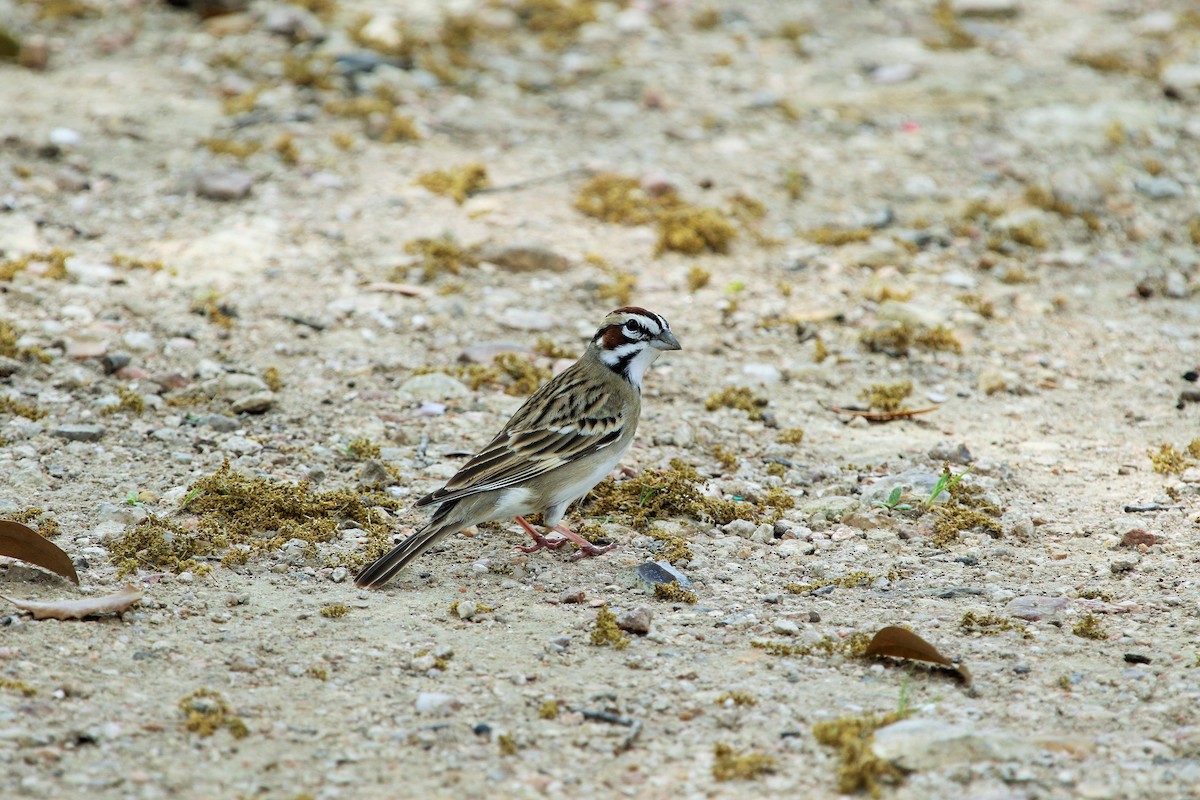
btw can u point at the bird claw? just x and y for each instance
(542, 543)
(588, 550)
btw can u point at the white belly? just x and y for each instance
(564, 495)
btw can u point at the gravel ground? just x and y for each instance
(995, 201)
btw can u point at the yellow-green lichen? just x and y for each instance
(17, 686)
(738, 397)
(664, 494)
(1089, 627)
(335, 610)
(886, 397)
(605, 632)
(674, 592)
(734, 765)
(11, 405)
(737, 698)
(852, 646)
(54, 264)
(39, 519)
(206, 712)
(458, 183)
(242, 518)
(989, 624)
(441, 256)
(858, 766)
(127, 400)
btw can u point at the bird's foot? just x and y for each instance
(540, 542)
(586, 548)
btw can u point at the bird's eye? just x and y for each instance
(631, 327)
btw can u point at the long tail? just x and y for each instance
(386, 566)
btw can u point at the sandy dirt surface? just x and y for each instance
(996, 201)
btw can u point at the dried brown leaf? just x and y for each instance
(900, 642)
(24, 543)
(78, 609)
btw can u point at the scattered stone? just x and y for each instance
(636, 620)
(79, 433)
(662, 572)
(785, 627)
(1126, 564)
(762, 373)
(988, 9)
(86, 348)
(741, 527)
(954, 453)
(993, 380)
(928, 744)
(224, 185)
(241, 446)
(1189, 475)
(297, 24)
(1159, 187)
(232, 386)
(572, 594)
(1138, 537)
(433, 386)
(374, 473)
(1182, 79)
(8, 366)
(65, 137)
(525, 257)
(139, 341)
(437, 703)
(339, 574)
(220, 422)
(256, 403)
(115, 361)
(1034, 608)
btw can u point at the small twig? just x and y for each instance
(1151, 507)
(634, 725)
(879, 416)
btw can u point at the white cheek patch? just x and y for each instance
(614, 356)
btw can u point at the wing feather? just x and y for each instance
(566, 419)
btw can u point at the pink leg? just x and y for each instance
(540, 541)
(586, 548)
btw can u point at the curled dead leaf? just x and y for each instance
(900, 642)
(78, 609)
(25, 544)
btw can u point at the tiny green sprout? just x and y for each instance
(902, 703)
(192, 495)
(893, 501)
(735, 287)
(946, 481)
(131, 498)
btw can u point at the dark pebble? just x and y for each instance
(969, 561)
(1136, 658)
(114, 361)
(482, 729)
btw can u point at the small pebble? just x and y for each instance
(437, 703)
(224, 185)
(79, 433)
(636, 620)
(572, 594)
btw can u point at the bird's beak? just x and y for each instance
(665, 341)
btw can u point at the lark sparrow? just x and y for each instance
(564, 440)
